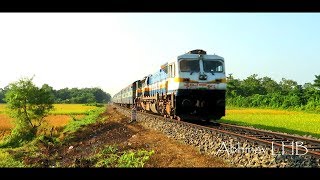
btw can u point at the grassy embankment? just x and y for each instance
(63, 116)
(69, 118)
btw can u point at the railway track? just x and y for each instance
(281, 143)
(294, 144)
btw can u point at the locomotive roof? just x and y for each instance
(194, 56)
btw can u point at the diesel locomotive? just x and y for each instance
(192, 86)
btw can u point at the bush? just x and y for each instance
(91, 118)
(17, 138)
(111, 157)
(6, 160)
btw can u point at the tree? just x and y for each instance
(100, 95)
(28, 104)
(62, 95)
(317, 81)
(84, 95)
(233, 87)
(108, 98)
(270, 85)
(252, 85)
(287, 85)
(1, 95)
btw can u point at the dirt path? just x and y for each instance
(117, 131)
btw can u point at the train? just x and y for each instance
(190, 87)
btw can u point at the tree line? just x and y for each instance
(250, 92)
(71, 95)
(267, 93)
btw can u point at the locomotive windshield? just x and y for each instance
(212, 66)
(189, 66)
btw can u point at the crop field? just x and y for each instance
(60, 120)
(71, 109)
(5, 122)
(60, 116)
(2, 108)
(292, 122)
(66, 109)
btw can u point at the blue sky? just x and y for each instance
(110, 50)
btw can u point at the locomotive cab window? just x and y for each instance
(189, 66)
(171, 71)
(212, 66)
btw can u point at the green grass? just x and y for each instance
(7, 160)
(91, 118)
(293, 122)
(110, 156)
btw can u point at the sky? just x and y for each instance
(111, 50)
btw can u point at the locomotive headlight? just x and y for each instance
(186, 103)
(202, 77)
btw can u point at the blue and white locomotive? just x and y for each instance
(192, 86)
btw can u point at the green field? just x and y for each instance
(292, 122)
(67, 109)
(2, 108)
